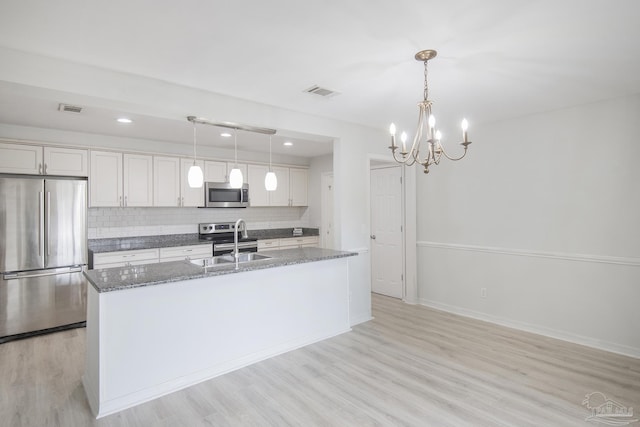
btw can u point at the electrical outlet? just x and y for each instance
(483, 292)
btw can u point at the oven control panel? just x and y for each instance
(225, 227)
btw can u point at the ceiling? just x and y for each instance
(497, 59)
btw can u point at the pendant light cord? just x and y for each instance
(235, 146)
(194, 143)
(269, 153)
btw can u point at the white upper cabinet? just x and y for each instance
(258, 194)
(65, 161)
(215, 171)
(105, 180)
(298, 183)
(166, 181)
(193, 197)
(291, 190)
(138, 180)
(38, 160)
(279, 197)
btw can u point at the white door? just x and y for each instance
(281, 195)
(192, 197)
(258, 194)
(138, 180)
(105, 180)
(386, 234)
(215, 171)
(298, 183)
(166, 181)
(65, 161)
(326, 229)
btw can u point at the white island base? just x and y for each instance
(145, 342)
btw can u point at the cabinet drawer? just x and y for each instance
(121, 258)
(268, 244)
(299, 242)
(182, 252)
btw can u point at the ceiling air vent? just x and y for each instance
(317, 90)
(69, 108)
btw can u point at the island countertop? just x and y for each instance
(119, 278)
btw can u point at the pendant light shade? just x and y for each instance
(270, 179)
(235, 176)
(195, 176)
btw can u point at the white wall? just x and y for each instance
(109, 89)
(317, 167)
(543, 213)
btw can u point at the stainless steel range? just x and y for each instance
(222, 237)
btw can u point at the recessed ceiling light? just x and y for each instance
(124, 120)
(288, 144)
(225, 134)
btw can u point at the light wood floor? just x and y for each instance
(410, 366)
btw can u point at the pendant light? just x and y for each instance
(195, 176)
(235, 176)
(270, 179)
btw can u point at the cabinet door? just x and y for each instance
(279, 197)
(166, 181)
(298, 179)
(105, 179)
(193, 197)
(258, 194)
(215, 171)
(65, 161)
(138, 180)
(18, 158)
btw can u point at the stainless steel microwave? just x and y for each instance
(221, 195)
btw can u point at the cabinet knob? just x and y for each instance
(40, 168)
(125, 200)
(45, 168)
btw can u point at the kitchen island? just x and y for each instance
(158, 328)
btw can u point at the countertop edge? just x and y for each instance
(280, 259)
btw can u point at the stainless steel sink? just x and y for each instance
(210, 262)
(245, 257)
(228, 259)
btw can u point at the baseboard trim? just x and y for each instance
(633, 262)
(360, 319)
(528, 327)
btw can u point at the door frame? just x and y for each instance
(326, 214)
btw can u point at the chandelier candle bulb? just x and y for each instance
(403, 138)
(392, 131)
(465, 126)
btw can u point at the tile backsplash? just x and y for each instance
(129, 222)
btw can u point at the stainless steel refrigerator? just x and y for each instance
(43, 251)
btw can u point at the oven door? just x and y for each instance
(227, 248)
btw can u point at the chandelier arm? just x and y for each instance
(453, 158)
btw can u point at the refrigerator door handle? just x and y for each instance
(40, 223)
(48, 221)
(9, 276)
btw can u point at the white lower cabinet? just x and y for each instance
(180, 253)
(125, 258)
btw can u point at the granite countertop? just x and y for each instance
(120, 278)
(171, 240)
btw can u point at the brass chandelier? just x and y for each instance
(434, 148)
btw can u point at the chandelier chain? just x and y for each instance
(426, 85)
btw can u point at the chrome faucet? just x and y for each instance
(236, 254)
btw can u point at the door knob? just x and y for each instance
(373, 237)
